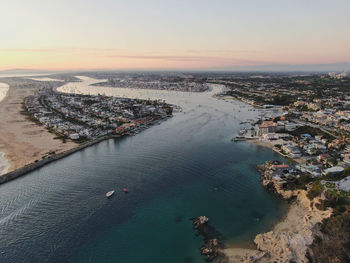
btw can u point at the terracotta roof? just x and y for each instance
(267, 124)
(280, 166)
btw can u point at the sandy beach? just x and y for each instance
(262, 143)
(45, 79)
(271, 145)
(21, 140)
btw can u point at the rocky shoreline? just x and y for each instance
(289, 240)
(213, 240)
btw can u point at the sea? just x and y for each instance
(186, 166)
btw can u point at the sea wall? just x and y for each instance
(31, 167)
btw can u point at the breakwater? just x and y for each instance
(54, 157)
(33, 166)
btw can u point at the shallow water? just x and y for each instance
(182, 168)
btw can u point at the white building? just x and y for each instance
(74, 136)
(334, 170)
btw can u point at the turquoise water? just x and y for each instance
(175, 171)
(160, 229)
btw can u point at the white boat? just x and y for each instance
(110, 193)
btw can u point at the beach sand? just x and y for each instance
(271, 144)
(46, 79)
(262, 143)
(236, 254)
(21, 140)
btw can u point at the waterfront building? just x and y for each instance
(266, 127)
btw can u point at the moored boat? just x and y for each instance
(109, 194)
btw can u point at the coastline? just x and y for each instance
(269, 144)
(28, 146)
(22, 141)
(71, 182)
(4, 163)
(33, 166)
(267, 243)
(289, 239)
(39, 144)
(54, 157)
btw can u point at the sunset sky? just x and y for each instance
(181, 34)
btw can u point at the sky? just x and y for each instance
(169, 34)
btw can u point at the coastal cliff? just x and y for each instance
(290, 239)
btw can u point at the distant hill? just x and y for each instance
(24, 71)
(337, 67)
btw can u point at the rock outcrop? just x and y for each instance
(210, 249)
(290, 239)
(200, 221)
(211, 237)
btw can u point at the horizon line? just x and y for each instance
(237, 68)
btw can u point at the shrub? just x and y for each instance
(315, 190)
(334, 247)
